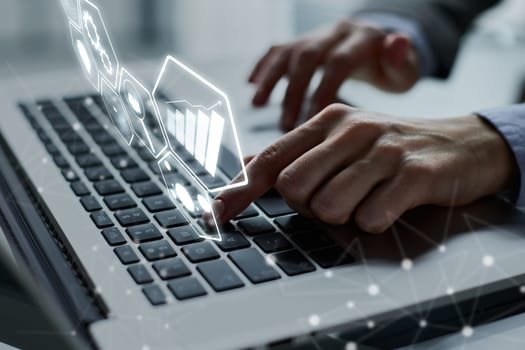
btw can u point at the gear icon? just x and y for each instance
(92, 31)
(106, 61)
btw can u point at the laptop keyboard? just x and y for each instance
(149, 233)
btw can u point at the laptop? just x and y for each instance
(104, 211)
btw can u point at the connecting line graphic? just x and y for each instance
(217, 104)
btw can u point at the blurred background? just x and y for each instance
(34, 37)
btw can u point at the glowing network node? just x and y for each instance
(407, 264)
(488, 260)
(450, 291)
(351, 346)
(467, 331)
(314, 320)
(423, 323)
(373, 289)
(370, 324)
(350, 304)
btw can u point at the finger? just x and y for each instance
(260, 63)
(303, 66)
(263, 170)
(321, 163)
(274, 69)
(335, 202)
(301, 73)
(347, 57)
(248, 159)
(398, 62)
(387, 203)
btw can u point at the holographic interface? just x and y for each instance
(184, 121)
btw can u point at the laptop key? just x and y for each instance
(330, 257)
(102, 137)
(99, 173)
(143, 233)
(78, 148)
(113, 236)
(126, 254)
(171, 268)
(232, 241)
(157, 250)
(198, 252)
(107, 187)
(88, 160)
(130, 217)
(184, 235)
(90, 203)
(133, 175)
(101, 219)
(273, 204)
(247, 213)
(112, 149)
(154, 167)
(145, 154)
(272, 242)
(295, 223)
(254, 265)
(158, 203)
(255, 226)
(145, 189)
(119, 201)
(52, 149)
(219, 275)
(140, 274)
(293, 263)
(311, 240)
(154, 294)
(170, 218)
(79, 188)
(186, 288)
(60, 161)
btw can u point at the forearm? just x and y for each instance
(443, 23)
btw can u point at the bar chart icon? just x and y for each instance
(200, 132)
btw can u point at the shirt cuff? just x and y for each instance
(409, 27)
(510, 122)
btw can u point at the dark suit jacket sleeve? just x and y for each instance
(443, 22)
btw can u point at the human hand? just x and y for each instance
(350, 49)
(346, 162)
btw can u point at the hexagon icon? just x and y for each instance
(194, 197)
(85, 55)
(72, 10)
(199, 123)
(116, 110)
(143, 114)
(94, 29)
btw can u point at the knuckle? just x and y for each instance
(307, 53)
(390, 149)
(416, 170)
(335, 110)
(338, 59)
(328, 211)
(286, 184)
(268, 156)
